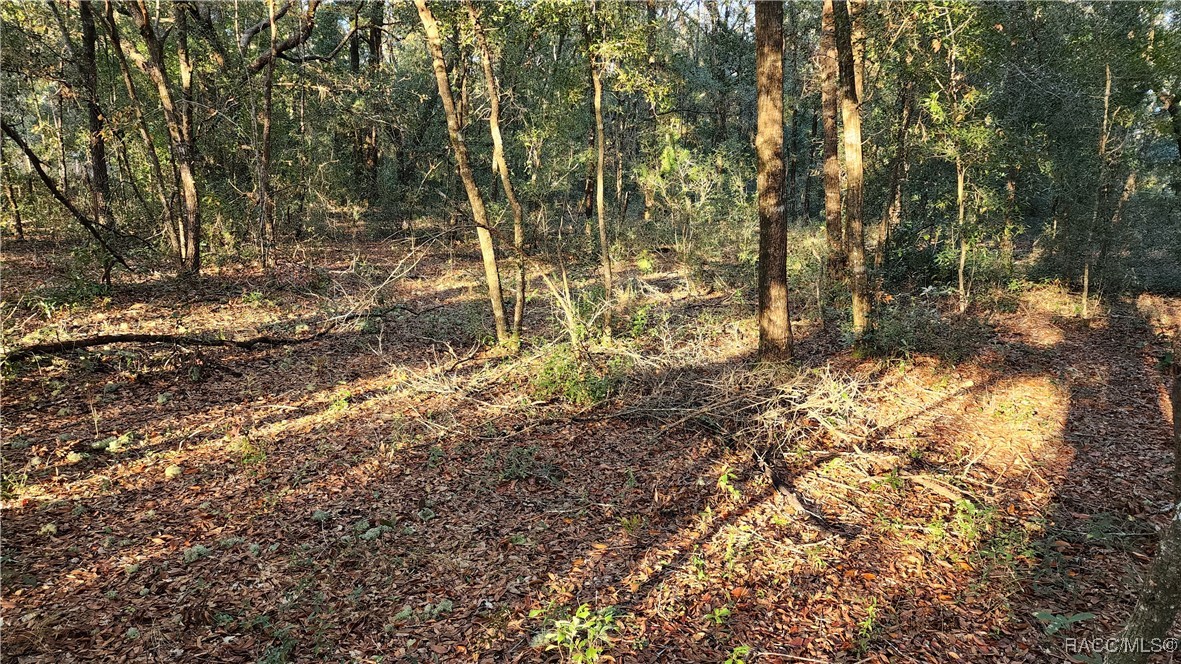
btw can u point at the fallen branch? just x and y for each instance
(60, 347)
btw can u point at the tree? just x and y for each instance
(500, 165)
(593, 46)
(854, 169)
(829, 106)
(774, 312)
(475, 199)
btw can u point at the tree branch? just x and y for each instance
(89, 224)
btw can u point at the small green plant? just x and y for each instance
(737, 655)
(631, 524)
(583, 637)
(726, 482)
(563, 376)
(719, 615)
(1054, 623)
(195, 553)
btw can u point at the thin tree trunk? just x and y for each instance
(1101, 190)
(1117, 216)
(266, 206)
(500, 165)
(145, 132)
(16, 213)
(775, 341)
(178, 122)
(191, 238)
(100, 183)
(1010, 217)
(479, 213)
(854, 169)
(892, 215)
(1169, 101)
(961, 197)
(829, 105)
(596, 67)
(38, 166)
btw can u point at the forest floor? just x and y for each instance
(398, 491)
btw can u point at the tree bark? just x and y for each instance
(854, 169)
(479, 213)
(266, 206)
(16, 213)
(961, 198)
(500, 165)
(775, 341)
(1101, 187)
(100, 183)
(596, 68)
(1160, 597)
(829, 105)
(178, 119)
(145, 132)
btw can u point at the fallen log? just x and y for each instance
(60, 347)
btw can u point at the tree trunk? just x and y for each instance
(179, 124)
(1101, 189)
(1160, 597)
(892, 215)
(774, 313)
(479, 214)
(829, 105)
(191, 237)
(596, 67)
(961, 198)
(145, 132)
(500, 165)
(1117, 216)
(100, 183)
(854, 169)
(1010, 216)
(16, 213)
(266, 206)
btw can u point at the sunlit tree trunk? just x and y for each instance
(191, 237)
(829, 106)
(961, 199)
(596, 67)
(774, 316)
(1101, 191)
(479, 213)
(500, 165)
(854, 170)
(145, 132)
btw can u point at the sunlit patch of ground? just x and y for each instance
(402, 490)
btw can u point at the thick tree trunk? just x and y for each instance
(774, 313)
(829, 105)
(854, 170)
(100, 183)
(479, 213)
(500, 165)
(1160, 597)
